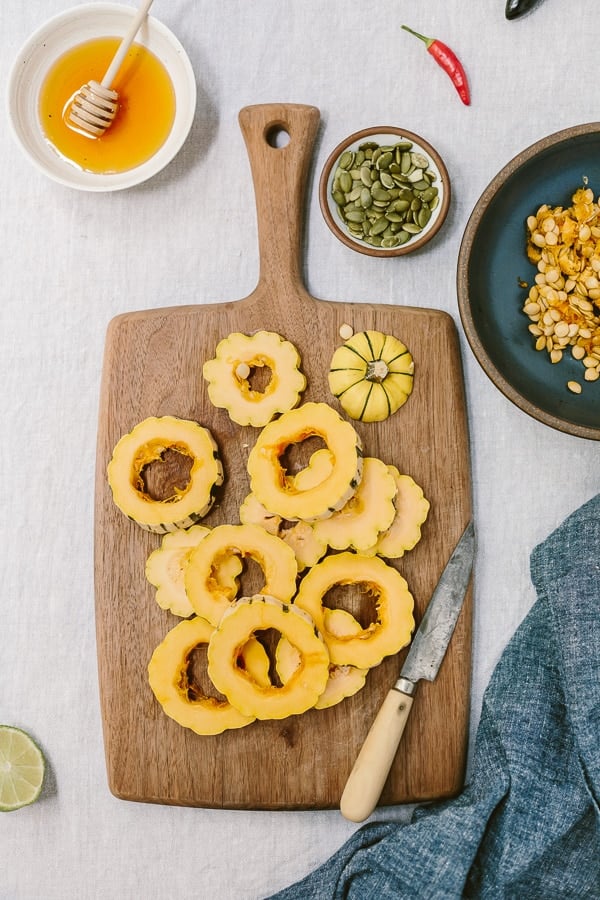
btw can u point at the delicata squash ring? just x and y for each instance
(169, 679)
(147, 443)
(387, 635)
(208, 595)
(227, 375)
(280, 492)
(305, 684)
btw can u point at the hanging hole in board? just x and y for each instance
(277, 136)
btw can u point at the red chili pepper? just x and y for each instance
(448, 60)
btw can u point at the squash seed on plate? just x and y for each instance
(564, 303)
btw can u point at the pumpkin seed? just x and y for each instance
(346, 182)
(381, 194)
(419, 160)
(384, 160)
(384, 194)
(379, 226)
(365, 198)
(355, 215)
(365, 175)
(429, 193)
(423, 216)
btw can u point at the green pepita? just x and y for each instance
(423, 216)
(346, 181)
(355, 215)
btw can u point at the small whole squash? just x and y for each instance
(371, 375)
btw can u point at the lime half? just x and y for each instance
(21, 769)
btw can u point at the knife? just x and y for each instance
(428, 648)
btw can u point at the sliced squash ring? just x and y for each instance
(411, 511)
(169, 679)
(278, 491)
(394, 624)
(239, 623)
(227, 376)
(343, 681)
(300, 536)
(366, 514)
(145, 444)
(208, 596)
(165, 569)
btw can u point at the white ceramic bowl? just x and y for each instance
(61, 33)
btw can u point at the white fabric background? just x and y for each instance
(189, 236)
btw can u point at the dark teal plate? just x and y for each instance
(492, 261)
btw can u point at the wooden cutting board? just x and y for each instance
(153, 367)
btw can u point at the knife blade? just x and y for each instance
(428, 648)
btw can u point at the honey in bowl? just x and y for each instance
(146, 107)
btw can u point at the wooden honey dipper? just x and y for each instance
(94, 107)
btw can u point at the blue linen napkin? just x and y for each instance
(527, 826)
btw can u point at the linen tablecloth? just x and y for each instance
(528, 824)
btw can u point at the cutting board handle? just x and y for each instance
(279, 139)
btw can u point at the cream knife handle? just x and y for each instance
(373, 763)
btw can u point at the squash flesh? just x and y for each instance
(300, 536)
(169, 680)
(165, 569)
(305, 684)
(230, 390)
(146, 443)
(210, 598)
(394, 625)
(343, 681)
(368, 512)
(278, 491)
(411, 511)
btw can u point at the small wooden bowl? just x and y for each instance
(384, 134)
